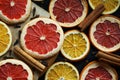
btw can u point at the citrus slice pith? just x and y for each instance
(14, 11)
(110, 5)
(68, 13)
(62, 71)
(42, 38)
(105, 33)
(75, 46)
(5, 38)
(12, 69)
(96, 70)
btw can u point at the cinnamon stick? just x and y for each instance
(28, 59)
(91, 17)
(109, 61)
(109, 57)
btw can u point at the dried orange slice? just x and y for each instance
(98, 71)
(68, 13)
(12, 69)
(110, 5)
(42, 38)
(75, 46)
(14, 11)
(5, 38)
(105, 33)
(62, 71)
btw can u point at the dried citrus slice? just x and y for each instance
(42, 38)
(12, 69)
(62, 71)
(110, 5)
(98, 71)
(14, 11)
(5, 38)
(75, 46)
(68, 13)
(105, 33)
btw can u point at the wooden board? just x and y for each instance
(16, 31)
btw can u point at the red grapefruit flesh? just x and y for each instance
(13, 11)
(96, 70)
(97, 73)
(45, 36)
(68, 13)
(64, 6)
(105, 33)
(42, 37)
(14, 70)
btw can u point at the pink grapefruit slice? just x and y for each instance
(12, 69)
(98, 71)
(14, 11)
(42, 38)
(105, 33)
(68, 13)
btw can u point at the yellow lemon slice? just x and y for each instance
(5, 38)
(75, 46)
(62, 71)
(110, 5)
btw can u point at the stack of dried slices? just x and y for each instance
(30, 35)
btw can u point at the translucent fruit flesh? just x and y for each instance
(4, 38)
(107, 34)
(13, 9)
(67, 10)
(62, 71)
(74, 45)
(44, 37)
(10, 71)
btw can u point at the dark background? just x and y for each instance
(80, 64)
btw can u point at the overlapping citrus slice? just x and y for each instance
(68, 13)
(12, 69)
(42, 38)
(75, 46)
(105, 33)
(110, 5)
(5, 38)
(62, 71)
(14, 11)
(98, 71)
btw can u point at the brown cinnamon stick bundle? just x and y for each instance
(91, 17)
(109, 57)
(28, 59)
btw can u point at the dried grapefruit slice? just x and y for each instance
(5, 38)
(14, 11)
(105, 33)
(42, 38)
(62, 71)
(68, 13)
(75, 46)
(110, 5)
(12, 69)
(98, 71)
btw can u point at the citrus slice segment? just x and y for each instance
(98, 71)
(42, 38)
(68, 13)
(14, 11)
(75, 46)
(12, 69)
(110, 5)
(5, 38)
(62, 71)
(105, 33)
